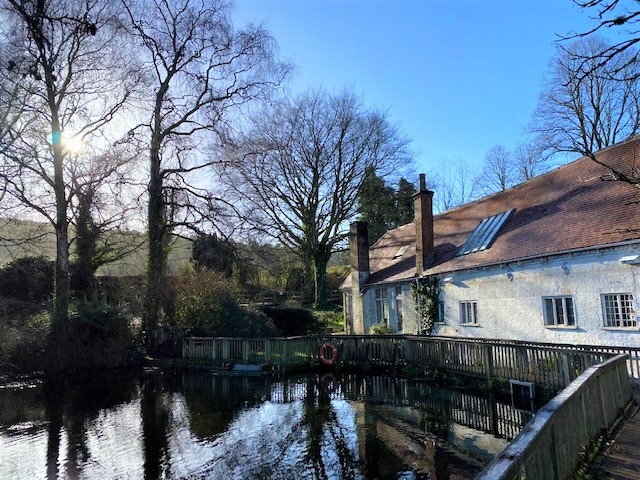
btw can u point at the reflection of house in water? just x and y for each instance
(397, 424)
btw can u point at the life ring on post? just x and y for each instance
(328, 353)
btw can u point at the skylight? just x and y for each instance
(484, 233)
(401, 251)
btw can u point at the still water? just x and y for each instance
(176, 424)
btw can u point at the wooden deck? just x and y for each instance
(622, 459)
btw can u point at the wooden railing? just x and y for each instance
(549, 446)
(596, 382)
(544, 364)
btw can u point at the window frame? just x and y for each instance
(399, 300)
(464, 320)
(440, 319)
(627, 305)
(565, 312)
(381, 296)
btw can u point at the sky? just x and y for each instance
(459, 76)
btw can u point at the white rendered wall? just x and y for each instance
(513, 309)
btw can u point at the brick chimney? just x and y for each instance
(359, 249)
(423, 218)
(359, 253)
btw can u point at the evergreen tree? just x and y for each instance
(212, 253)
(404, 202)
(376, 205)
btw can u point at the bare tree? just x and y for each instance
(498, 171)
(528, 160)
(614, 58)
(584, 113)
(200, 69)
(298, 170)
(616, 61)
(68, 79)
(454, 183)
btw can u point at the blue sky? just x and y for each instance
(459, 75)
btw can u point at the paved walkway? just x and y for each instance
(622, 458)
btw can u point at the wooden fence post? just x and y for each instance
(488, 361)
(267, 351)
(225, 350)
(565, 369)
(245, 351)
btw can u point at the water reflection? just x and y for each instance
(199, 425)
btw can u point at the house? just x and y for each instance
(554, 259)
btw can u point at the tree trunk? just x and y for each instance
(61, 278)
(308, 289)
(320, 261)
(157, 247)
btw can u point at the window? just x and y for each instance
(559, 312)
(382, 307)
(469, 313)
(618, 312)
(440, 318)
(400, 323)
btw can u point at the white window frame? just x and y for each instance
(559, 320)
(469, 313)
(399, 301)
(440, 318)
(382, 305)
(623, 311)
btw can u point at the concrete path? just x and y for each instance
(622, 458)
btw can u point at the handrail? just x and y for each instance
(598, 382)
(553, 365)
(549, 445)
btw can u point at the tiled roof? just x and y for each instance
(569, 208)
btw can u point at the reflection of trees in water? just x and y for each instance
(155, 404)
(322, 425)
(356, 426)
(70, 404)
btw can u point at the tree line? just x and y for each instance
(164, 115)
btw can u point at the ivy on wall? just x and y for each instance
(426, 295)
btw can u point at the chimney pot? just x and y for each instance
(423, 182)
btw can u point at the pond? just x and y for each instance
(185, 424)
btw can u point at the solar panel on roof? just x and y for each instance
(401, 252)
(484, 233)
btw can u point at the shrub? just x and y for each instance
(331, 320)
(95, 337)
(293, 321)
(379, 329)
(29, 279)
(206, 304)
(22, 345)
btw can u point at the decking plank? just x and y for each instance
(622, 461)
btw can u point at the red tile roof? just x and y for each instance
(569, 208)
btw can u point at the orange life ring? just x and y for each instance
(328, 353)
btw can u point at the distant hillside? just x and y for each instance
(22, 238)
